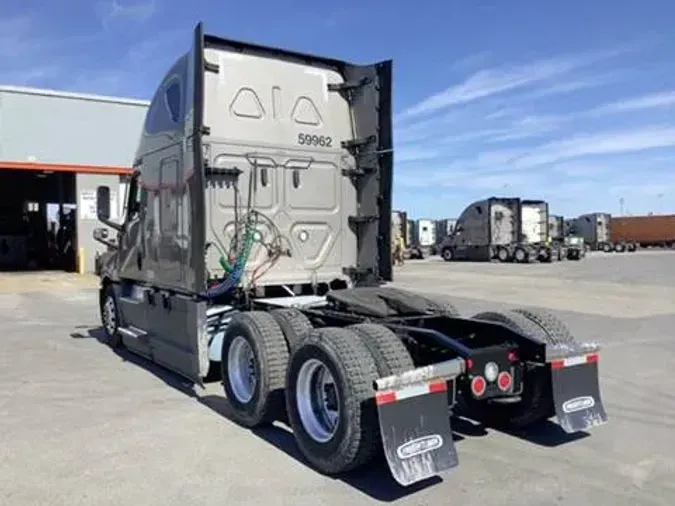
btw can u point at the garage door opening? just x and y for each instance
(37, 220)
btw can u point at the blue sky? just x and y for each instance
(572, 102)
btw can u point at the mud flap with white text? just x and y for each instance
(416, 432)
(576, 393)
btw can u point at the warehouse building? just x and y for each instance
(55, 149)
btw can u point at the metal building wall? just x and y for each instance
(72, 129)
(37, 126)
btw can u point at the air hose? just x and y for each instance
(236, 271)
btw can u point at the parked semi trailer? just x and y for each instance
(595, 228)
(294, 312)
(647, 231)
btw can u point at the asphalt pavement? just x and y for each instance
(83, 425)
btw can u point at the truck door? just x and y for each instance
(461, 243)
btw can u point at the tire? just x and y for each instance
(536, 400)
(607, 248)
(390, 354)
(355, 438)
(503, 255)
(520, 255)
(447, 254)
(556, 332)
(110, 317)
(294, 325)
(257, 336)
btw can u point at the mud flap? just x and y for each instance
(576, 392)
(414, 416)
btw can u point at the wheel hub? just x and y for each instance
(241, 369)
(317, 400)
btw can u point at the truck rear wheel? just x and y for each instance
(503, 254)
(536, 400)
(520, 255)
(329, 400)
(254, 362)
(390, 354)
(556, 332)
(294, 325)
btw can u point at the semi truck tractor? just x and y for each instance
(595, 228)
(535, 231)
(572, 246)
(489, 230)
(424, 239)
(256, 247)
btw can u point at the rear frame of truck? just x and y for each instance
(354, 367)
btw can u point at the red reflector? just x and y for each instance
(437, 386)
(504, 381)
(385, 398)
(469, 363)
(513, 356)
(592, 358)
(557, 364)
(478, 386)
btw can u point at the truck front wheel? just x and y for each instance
(110, 316)
(329, 400)
(447, 254)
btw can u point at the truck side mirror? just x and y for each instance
(103, 203)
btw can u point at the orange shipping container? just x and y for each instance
(646, 230)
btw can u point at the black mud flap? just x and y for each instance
(576, 392)
(415, 427)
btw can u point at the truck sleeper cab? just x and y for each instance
(488, 230)
(230, 264)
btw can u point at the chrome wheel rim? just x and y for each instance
(109, 315)
(241, 369)
(317, 400)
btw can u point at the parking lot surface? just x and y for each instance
(83, 425)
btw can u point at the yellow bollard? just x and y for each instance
(80, 261)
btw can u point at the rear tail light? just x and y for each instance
(504, 381)
(478, 386)
(513, 356)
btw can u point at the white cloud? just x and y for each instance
(115, 10)
(490, 82)
(605, 143)
(659, 100)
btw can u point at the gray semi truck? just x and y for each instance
(595, 228)
(487, 230)
(256, 248)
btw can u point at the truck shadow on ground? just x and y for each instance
(374, 481)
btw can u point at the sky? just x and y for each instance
(571, 102)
